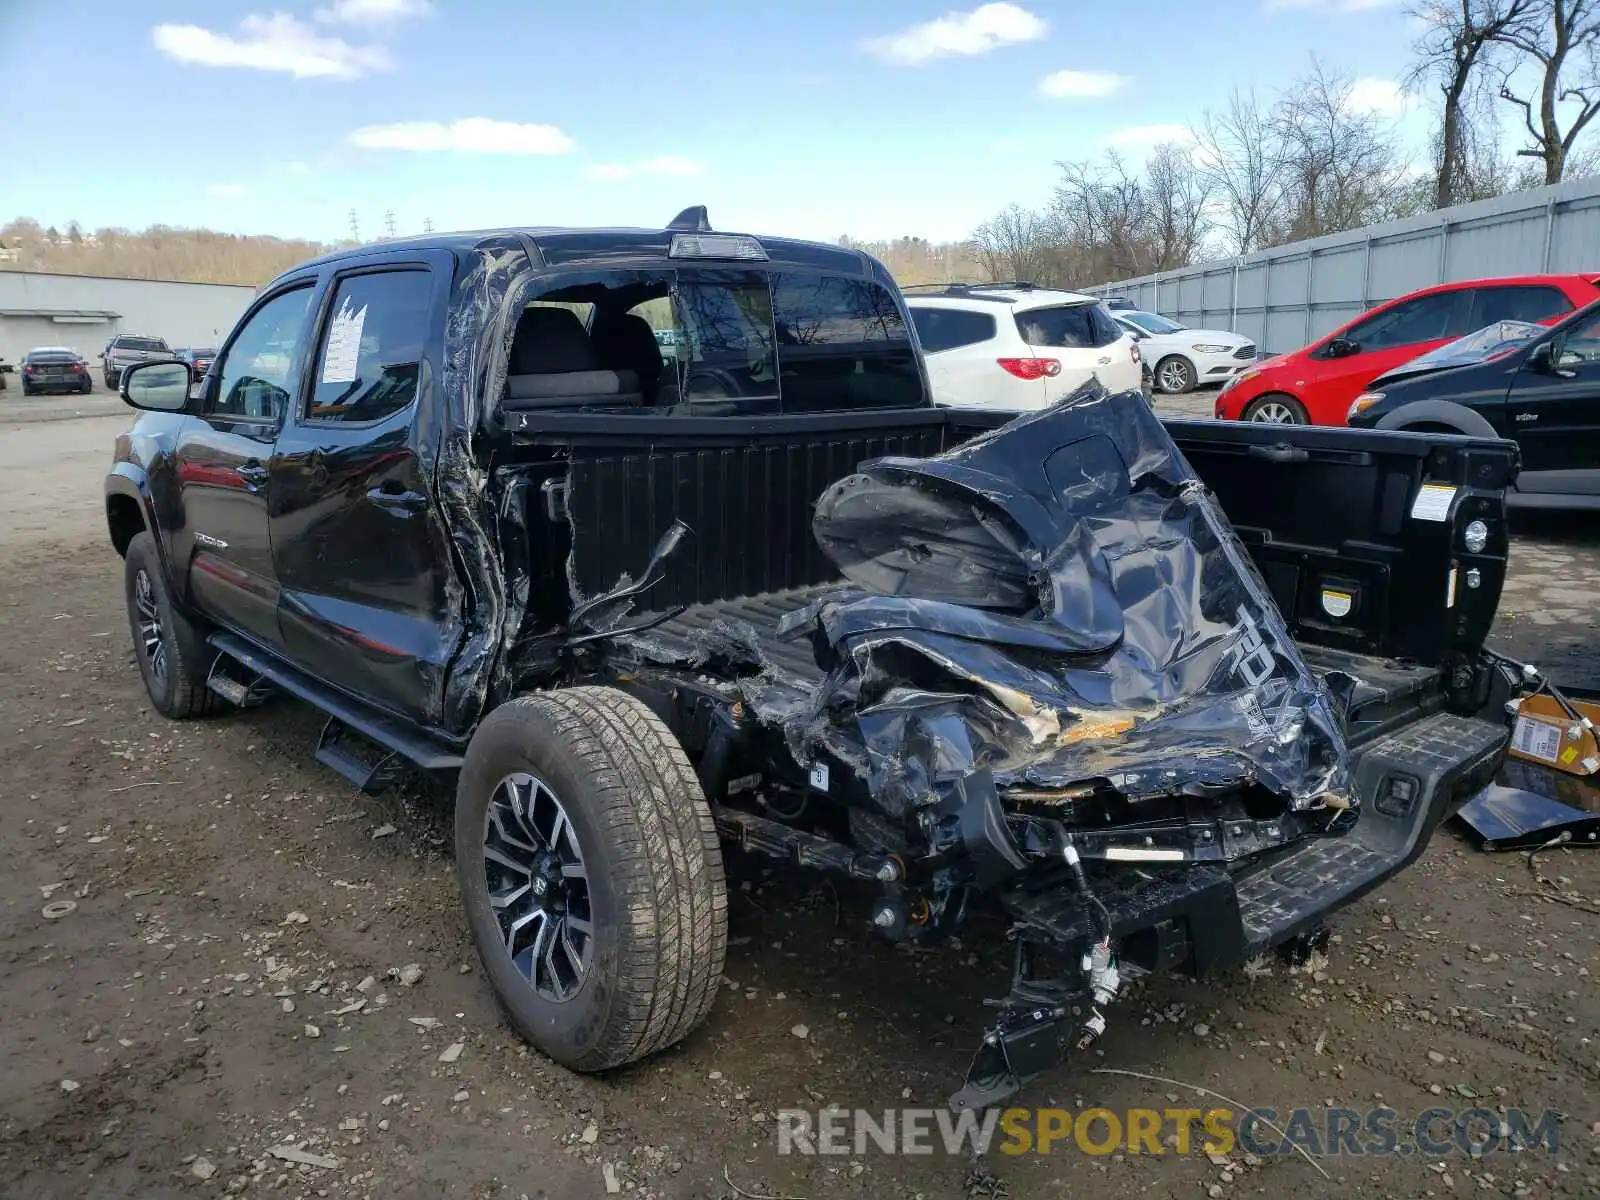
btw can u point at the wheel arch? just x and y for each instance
(1447, 413)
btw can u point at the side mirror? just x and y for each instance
(1542, 358)
(1342, 348)
(156, 386)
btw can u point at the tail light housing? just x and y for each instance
(1031, 368)
(1134, 355)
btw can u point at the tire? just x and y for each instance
(1147, 384)
(26, 390)
(1174, 375)
(176, 677)
(110, 381)
(652, 879)
(1275, 408)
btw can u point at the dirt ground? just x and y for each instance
(225, 984)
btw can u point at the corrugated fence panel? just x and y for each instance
(1289, 295)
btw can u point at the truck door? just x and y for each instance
(361, 556)
(1553, 412)
(221, 546)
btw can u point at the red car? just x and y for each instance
(1316, 385)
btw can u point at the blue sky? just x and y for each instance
(811, 119)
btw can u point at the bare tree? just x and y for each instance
(1341, 167)
(1238, 153)
(1458, 40)
(1014, 244)
(1177, 206)
(1560, 40)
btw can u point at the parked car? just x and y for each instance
(1538, 387)
(5, 369)
(128, 348)
(1014, 346)
(1181, 358)
(1317, 384)
(55, 369)
(1023, 665)
(198, 358)
(1120, 304)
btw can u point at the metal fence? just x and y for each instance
(1290, 295)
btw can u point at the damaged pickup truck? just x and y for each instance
(654, 540)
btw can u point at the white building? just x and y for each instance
(87, 311)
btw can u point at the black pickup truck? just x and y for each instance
(652, 540)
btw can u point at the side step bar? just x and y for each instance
(345, 716)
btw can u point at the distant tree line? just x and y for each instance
(159, 252)
(1320, 157)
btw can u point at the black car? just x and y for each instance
(451, 491)
(1534, 384)
(54, 369)
(199, 358)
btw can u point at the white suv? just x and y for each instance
(1015, 346)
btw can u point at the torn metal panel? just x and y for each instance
(1060, 601)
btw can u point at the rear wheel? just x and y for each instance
(1175, 375)
(1276, 409)
(172, 652)
(592, 875)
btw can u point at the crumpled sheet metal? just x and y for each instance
(1056, 602)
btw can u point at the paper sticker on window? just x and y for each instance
(1433, 502)
(819, 777)
(344, 344)
(1450, 589)
(1536, 739)
(1336, 604)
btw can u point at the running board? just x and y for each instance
(345, 715)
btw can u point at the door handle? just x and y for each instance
(1280, 453)
(253, 474)
(395, 498)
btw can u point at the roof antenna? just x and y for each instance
(692, 220)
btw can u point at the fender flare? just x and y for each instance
(130, 480)
(1439, 412)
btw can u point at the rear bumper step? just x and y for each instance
(1204, 919)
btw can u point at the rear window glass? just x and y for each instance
(1526, 302)
(49, 356)
(139, 343)
(949, 328)
(842, 344)
(1070, 326)
(715, 341)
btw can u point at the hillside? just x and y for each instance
(205, 256)
(159, 252)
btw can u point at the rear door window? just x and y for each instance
(1068, 326)
(842, 344)
(1519, 302)
(949, 328)
(370, 358)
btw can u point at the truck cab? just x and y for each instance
(652, 539)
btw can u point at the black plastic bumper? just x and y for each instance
(1203, 918)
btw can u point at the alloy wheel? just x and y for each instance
(151, 642)
(1273, 412)
(1174, 377)
(538, 886)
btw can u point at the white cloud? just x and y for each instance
(1140, 139)
(1328, 6)
(1074, 85)
(295, 168)
(372, 12)
(985, 28)
(662, 164)
(275, 43)
(470, 135)
(1382, 96)
(227, 191)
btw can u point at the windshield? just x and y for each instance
(1476, 347)
(1152, 323)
